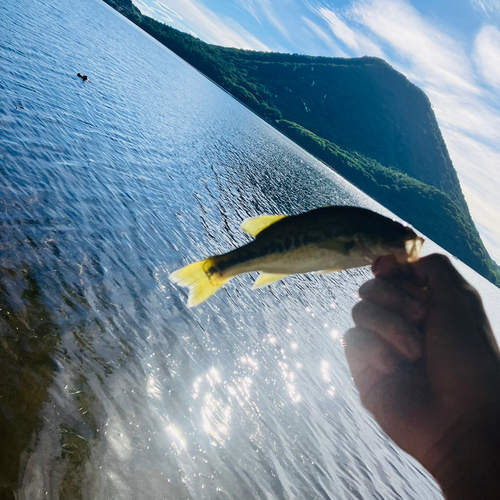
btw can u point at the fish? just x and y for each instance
(323, 240)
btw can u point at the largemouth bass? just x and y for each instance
(323, 240)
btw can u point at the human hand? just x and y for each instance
(426, 364)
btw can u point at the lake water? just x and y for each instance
(110, 387)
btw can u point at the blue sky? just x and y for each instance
(449, 48)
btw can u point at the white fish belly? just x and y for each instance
(305, 259)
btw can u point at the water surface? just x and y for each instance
(112, 388)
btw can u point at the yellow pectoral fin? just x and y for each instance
(265, 279)
(255, 225)
(201, 285)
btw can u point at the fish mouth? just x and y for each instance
(413, 248)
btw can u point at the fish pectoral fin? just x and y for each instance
(326, 271)
(265, 279)
(255, 225)
(341, 245)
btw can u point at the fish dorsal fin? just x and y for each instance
(255, 225)
(265, 279)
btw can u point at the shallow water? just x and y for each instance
(111, 388)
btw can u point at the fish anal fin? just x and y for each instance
(265, 279)
(255, 225)
(327, 271)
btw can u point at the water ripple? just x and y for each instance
(107, 187)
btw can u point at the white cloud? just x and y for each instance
(271, 16)
(145, 9)
(325, 38)
(479, 169)
(433, 55)
(461, 84)
(168, 10)
(250, 7)
(487, 6)
(264, 8)
(487, 54)
(465, 109)
(191, 15)
(356, 41)
(468, 112)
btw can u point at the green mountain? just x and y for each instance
(360, 116)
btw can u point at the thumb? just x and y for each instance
(442, 280)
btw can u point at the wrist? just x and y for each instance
(466, 460)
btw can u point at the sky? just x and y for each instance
(449, 48)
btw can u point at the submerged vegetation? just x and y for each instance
(359, 116)
(29, 337)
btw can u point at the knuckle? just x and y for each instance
(434, 262)
(438, 272)
(359, 311)
(350, 337)
(367, 288)
(412, 309)
(395, 328)
(472, 293)
(358, 337)
(439, 259)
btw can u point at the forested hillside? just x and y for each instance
(360, 116)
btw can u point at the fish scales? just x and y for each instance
(325, 240)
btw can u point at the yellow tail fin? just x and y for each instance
(201, 284)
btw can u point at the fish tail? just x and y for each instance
(201, 282)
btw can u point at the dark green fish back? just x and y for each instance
(330, 222)
(316, 227)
